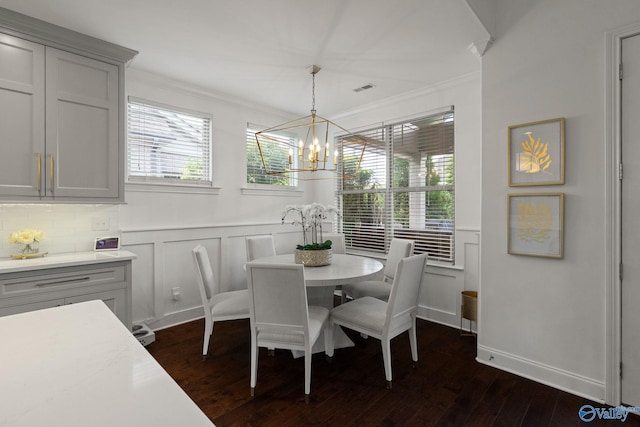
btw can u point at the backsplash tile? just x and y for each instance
(67, 228)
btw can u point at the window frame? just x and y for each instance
(437, 239)
(270, 187)
(149, 183)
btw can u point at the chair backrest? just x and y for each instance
(204, 273)
(337, 242)
(260, 247)
(278, 298)
(406, 286)
(399, 249)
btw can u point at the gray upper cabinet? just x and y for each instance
(21, 117)
(82, 150)
(62, 118)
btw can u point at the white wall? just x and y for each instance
(162, 227)
(230, 206)
(545, 318)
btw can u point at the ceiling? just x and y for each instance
(262, 50)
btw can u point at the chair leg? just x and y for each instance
(208, 331)
(307, 373)
(413, 340)
(254, 364)
(386, 357)
(343, 296)
(328, 339)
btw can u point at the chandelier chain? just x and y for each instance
(313, 92)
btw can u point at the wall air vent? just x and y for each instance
(365, 87)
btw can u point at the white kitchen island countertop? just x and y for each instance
(78, 365)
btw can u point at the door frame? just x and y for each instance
(613, 209)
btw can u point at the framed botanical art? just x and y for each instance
(536, 153)
(536, 224)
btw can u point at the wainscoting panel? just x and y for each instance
(472, 265)
(439, 295)
(234, 256)
(164, 262)
(179, 272)
(143, 288)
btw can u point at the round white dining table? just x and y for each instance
(342, 270)
(322, 281)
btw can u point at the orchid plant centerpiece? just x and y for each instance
(310, 218)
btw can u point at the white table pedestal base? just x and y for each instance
(323, 297)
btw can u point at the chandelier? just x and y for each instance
(311, 149)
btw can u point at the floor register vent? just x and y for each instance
(143, 334)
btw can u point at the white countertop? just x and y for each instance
(77, 365)
(9, 265)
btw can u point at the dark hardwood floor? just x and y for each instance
(447, 388)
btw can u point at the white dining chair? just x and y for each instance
(281, 317)
(386, 320)
(398, 249)
(337, 242)
(260, 247)
(338, 246)
(218, 306)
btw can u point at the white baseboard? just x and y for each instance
(176, 318)
(438, 316)
(553, 377)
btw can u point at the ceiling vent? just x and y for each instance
(365, 87)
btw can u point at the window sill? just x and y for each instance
(142, 187)
(271, 190)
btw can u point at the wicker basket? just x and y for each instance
(313, 258)
(469, 310)
(470, 305)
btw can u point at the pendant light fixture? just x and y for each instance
(312, 150)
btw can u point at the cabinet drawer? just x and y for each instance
(30, 283)
(15, 309)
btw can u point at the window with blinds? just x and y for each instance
(167, 145)
(275, 151)
(404, 188)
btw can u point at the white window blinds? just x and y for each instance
(167, 145)
(275, 152)
(404, 188)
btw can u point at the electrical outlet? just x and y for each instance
(100, 223)
(175, 293)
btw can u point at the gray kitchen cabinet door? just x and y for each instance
(22, 139)
(82, 143)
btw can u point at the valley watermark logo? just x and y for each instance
(588, 413)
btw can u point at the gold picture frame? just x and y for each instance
(536, 225)
(536, 153)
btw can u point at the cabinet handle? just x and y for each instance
(51, 172)
(58, 282)
(39, 175)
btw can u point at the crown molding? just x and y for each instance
(48, 34)
(186, 88)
